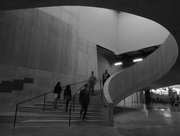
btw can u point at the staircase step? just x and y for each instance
(59, 121)
(54, 123)
(77, 101)
(76, 105)
(35, 116)
(33, 109)
(10, 119)
(89, 113)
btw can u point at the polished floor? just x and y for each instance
(130, 120)
(154, 120)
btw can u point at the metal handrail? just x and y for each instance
(73, 101)
(102, 94)
(44, 94)
(73, 104)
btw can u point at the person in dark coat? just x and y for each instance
(57, 92)
(105, 76)
(67, 96)
(84, 101)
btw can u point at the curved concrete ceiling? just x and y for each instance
(118, 32)
(165, 12)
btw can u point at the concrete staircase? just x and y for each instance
(35, 116)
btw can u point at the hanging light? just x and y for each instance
(136, 60)
(118, 63)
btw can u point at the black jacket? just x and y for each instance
(57, 89)
(67, 92)
(84, 97)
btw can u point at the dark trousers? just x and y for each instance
(91, 88)
(84, 108)
(67, 103)
(104, 81)
(56, 99)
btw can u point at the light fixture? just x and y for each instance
(116, 53)
(118, 63)
(136, 60)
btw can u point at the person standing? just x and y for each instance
(172, 99)
(92, 82)
(84, 101)
(67, 96)
(105, 76)
(57, 92)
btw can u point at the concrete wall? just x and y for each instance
(45, 47)
(100, 25)
(119, 32)
(137, 32)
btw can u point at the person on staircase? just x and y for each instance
(67, 96)
(105, 76)
(92, 82)
(84, 101)
(57, 91)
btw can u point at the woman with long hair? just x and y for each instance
(57, 92)
(67, 96)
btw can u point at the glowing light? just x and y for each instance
(136, 60)
(116, 53)
(118, 63)
(167, 115)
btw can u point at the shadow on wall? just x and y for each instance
(16, 84)
(110, 61)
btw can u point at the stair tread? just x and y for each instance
(51, 106)
(28, 115)
(57, 121)
(45, 115)
(98, 109)
(65, 112)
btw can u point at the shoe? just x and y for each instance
(84, 119)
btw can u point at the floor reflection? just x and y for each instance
(134, 119)
(155, 107)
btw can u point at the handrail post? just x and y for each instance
(74, 103)
(100, 83)
(102, 92)
(15, 116)
(44, 102)
(70, 115)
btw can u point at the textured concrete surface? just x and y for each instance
(43, 45)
